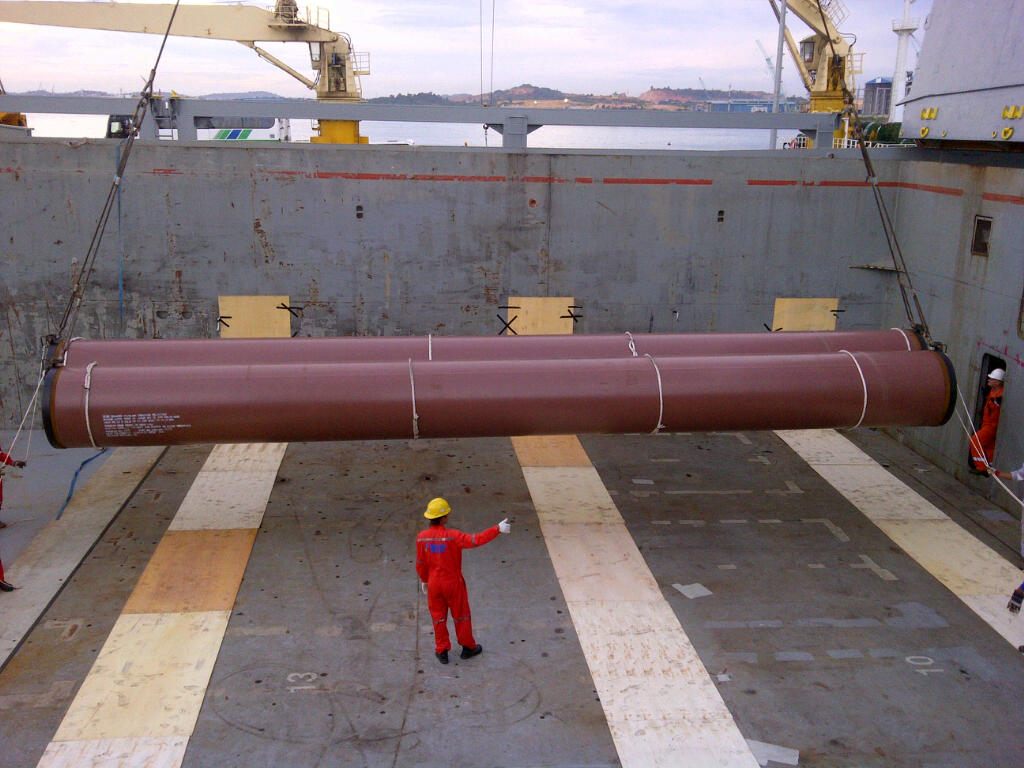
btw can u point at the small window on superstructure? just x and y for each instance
(982, 232)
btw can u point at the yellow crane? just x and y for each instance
(337, 67)
(823, 72)
(12, 118)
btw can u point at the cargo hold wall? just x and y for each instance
(410, 240)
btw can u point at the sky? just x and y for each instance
(576, 46)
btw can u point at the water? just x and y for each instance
(471, 134)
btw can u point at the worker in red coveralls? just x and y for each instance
(439, 566)
(983, 442)
(5, 460)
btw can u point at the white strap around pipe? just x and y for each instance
(415, 416)
(86, 385)
(661, 396)
(631, 345)
(430, 346)
(905, 338)
(864, 384)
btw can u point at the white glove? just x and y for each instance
(504, 527)
(423, 587)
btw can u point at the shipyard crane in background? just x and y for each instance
(768, 63)
(338, 68)
(823, 73)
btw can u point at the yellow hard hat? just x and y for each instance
(437, 508)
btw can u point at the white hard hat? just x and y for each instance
(998, 374)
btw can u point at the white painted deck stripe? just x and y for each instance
(232, 489)
(44, 567)
(966, 566)
(166, 752)
(149, 679)
(661, 705)
(143, 694)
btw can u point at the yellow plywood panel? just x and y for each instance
(658, 699)
(245, 457)
(232, 489)
(821, 446)
(224, 500)
(598, 561)
(43, 568)
(570, 495)
(541, 315)
(154, 752)
(550, 451)
(981, 578)
(149, 679)
(992, 608)
(878, 494)
(193, 571)
(805, 314)
(953, 556)
(246, 317)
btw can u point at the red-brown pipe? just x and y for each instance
(170, 352)
(354, 401)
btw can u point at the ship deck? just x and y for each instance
(778, 584)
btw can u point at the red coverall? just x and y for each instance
(4, 459)
(439, 565)
(986, 435)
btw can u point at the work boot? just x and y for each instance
(1015, 600)
(442, 656)
(468, 653)
(5, 587)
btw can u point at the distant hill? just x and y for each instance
(687, 95)
(247, 96)
(664, 97)
(413, 98)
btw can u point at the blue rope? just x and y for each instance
(120, 256)
(71, 490)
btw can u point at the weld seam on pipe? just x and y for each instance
(415, 416)
(632, 344)
(86, 385)
(661, 396)
(905, 338)
(864, 384)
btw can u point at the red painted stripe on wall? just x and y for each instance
(451, 177)
(541, 180)
(360, 176)
(995, 197)
(701, 182)
(952, 191)
(843, 184)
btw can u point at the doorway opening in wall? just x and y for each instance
(987, 406)
(982, 232)
(1020, 316)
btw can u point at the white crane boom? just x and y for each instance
(337, 67)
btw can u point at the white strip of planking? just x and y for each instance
(662, 707)
(966, 566)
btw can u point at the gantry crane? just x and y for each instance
(825, 60)
(338, 68)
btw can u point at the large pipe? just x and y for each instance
(170, 352)
(105, 405)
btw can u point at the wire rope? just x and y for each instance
(911, 303)
(70, 317)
